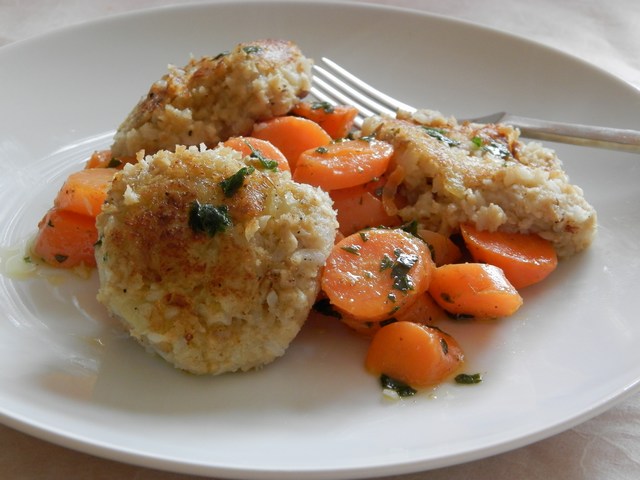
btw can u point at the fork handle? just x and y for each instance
(576, 134)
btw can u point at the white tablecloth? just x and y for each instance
(605, 33)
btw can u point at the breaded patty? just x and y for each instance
(449, 173)
(210, 259)
(213, 98)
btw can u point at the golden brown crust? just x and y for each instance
(211, 303)
(213, 98)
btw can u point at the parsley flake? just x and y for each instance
(401, 388)
(232, 184)
(208, 218)
(468, 379)
(326, 107)
(439, 134)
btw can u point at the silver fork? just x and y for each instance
(334, 84)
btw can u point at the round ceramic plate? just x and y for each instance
(69, 374)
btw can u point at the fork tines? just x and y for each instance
(334, 84)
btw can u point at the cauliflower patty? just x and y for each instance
(210, 259)
(448, 173)
(213, 98)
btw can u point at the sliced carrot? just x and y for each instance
(259, 148)
(424, 310)
(66, 239)
(525, 258)
(416, 355)
(358, 208)
(372, 274)
(103, 159)
(343, 164)
(443, 250)
(336, 120)
(474, 289)
(291, 135)
(85, 191)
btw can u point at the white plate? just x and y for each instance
(69, 375)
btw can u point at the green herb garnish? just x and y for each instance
(498, 149)
(325, 106)
(264, 161)
(477, 141)
(251, 49)
(439, 134)
(401, 388)
(207, 218)
(400, 270)
(60, 258)
(232, 184)
(355, 249)
(468, 379)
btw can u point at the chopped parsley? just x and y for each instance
(401, 388)
(444, 345)
(400, 270)
(207, 218)
(387, 262)
(265, 163)
(251, 49)
(477, 141)
(326, 107)
(60, 258)
(468, 379)
(322, 150)
(232, 184)
(411, 227)
(355, 249)
(497, 149)
(439, 134)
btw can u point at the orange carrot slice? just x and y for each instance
(358, 208)
(66, 239)
(291, 135)
(85, 191)
(257, 147)
(525, 258)
(416, 355)
(443, 250)
(372, 274)
(474, 289)
(103, 159)
(336, 120)
(343, 164)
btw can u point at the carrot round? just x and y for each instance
(443, 250)
(525, 258)
(372, 274)
(358, 208)
(259, 148)
(474, 289)
(424, 310)
(104, 159)
(66, 239)
(336, 120)
(343, 164)
(416, 355)
(85, 191)
(291, 135)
